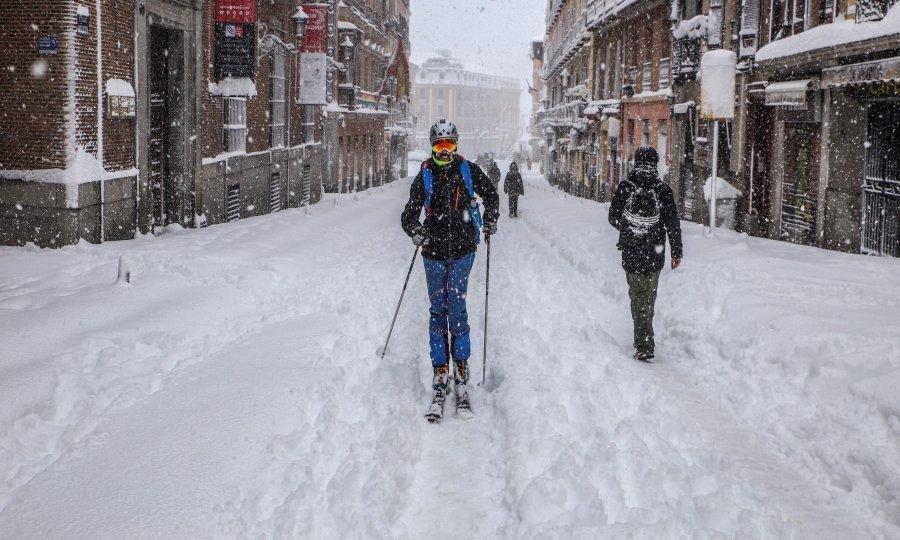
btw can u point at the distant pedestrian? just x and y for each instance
(643, 210)
(514, 187)
(494, 173)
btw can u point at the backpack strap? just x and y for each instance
(428, 182)
(466, 171)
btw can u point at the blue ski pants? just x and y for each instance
(448, 328)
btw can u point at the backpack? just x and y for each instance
(474, 212)
(641, 214)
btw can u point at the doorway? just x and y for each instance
(800, 186)
(165, 143)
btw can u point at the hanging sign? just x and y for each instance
(313, 57)
(236, 11)
(235, 38)
(315, 40)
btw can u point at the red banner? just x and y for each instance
(316, 38)
(236, 11)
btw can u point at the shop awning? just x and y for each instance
(790, 93)
(863, 73)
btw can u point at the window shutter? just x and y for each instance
(749, 27)
(715, 23)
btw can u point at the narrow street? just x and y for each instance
(233, 388)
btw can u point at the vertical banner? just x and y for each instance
(313, 57)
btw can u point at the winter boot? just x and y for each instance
(439, 384)
(463, 406)
(643, 355)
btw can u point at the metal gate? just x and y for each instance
(800, 185)
(881, 184)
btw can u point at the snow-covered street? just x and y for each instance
(233, 388)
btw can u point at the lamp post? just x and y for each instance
(718, 73)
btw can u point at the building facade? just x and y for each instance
(484, 107)
(127, 116)
(608, 74)
(812, 151)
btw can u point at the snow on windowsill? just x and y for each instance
(842, 32)
(119, 88)
(233, 87)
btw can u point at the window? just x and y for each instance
(646, 77)
(235, 123)
(276, 99)
(663, 73)
(645, 137)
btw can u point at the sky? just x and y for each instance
(491, 36)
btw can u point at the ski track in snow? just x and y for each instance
(258, 408)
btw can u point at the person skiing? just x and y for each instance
(513, 187)
(446, 187)
(494, 172)
(643, 211)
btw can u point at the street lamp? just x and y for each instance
(300, 19)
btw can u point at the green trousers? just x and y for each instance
(642, 291)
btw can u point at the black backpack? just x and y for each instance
(641, 217)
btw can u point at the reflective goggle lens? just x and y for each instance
(445, 146)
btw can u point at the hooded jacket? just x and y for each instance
(646, 253)
(450, 236)
(513, 185)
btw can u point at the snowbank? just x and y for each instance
(843, 32)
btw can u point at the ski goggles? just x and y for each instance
(444, 145)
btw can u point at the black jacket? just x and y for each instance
(647, 256)
(449, 236)
(513, 185)
(494, 172)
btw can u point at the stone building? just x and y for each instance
(484, 107)
(820, 147)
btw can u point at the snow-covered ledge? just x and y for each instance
(233, 87)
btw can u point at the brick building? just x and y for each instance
(607, 68)
(125, 116)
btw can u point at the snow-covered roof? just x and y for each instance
(838, 33)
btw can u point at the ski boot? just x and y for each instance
(463, 406)
(439, 384)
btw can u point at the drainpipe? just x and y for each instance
(99, 11)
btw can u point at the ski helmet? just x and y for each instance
(443, 129)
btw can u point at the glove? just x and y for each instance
(489, 228)
(419, 238)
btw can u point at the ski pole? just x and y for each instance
(397, 312)
(487, 291)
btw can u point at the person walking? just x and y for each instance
(514, 187)
(446, 188)
(643, 211)
(494, 172)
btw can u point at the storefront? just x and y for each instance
(872, 90)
